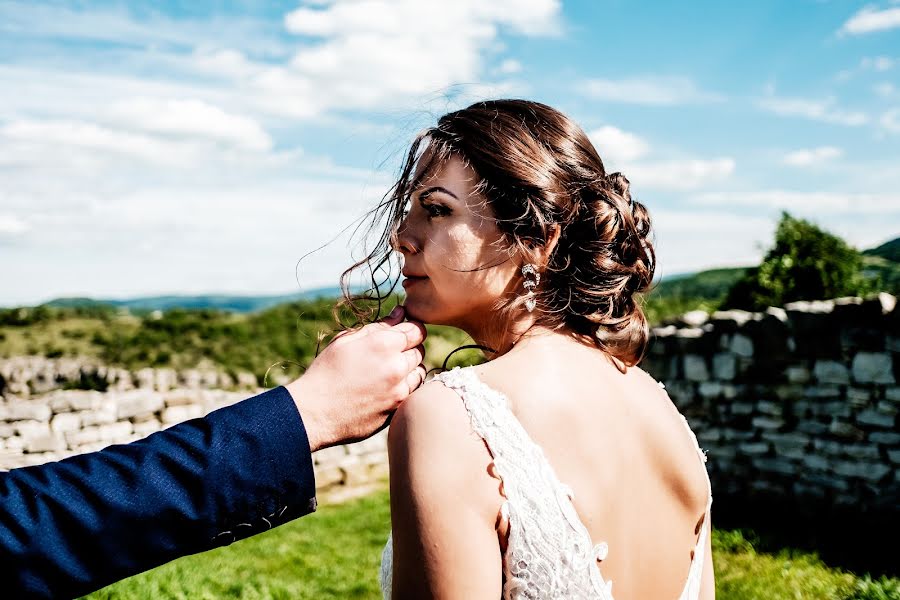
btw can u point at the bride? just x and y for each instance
(559, 466)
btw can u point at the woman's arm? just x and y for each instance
(444, 503)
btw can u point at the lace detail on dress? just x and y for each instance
(549, 552)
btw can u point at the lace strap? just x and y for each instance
(485, 406)
(516, 457)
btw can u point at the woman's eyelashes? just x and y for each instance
(436, 210)
(432, 208)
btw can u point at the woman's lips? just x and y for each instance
(412, 281)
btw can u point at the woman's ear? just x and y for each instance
(546, 251)
(539, 255)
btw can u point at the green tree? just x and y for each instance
(806, 263)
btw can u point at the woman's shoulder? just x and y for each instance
(428, 407)
(434, 450)
(432, 421)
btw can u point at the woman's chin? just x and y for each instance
(418, 311)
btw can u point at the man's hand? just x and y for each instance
(354, 386)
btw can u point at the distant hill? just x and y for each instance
(709, 285)
(237, 304)
(888, 250)
(883, 263)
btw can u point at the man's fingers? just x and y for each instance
(413, 330)
(413, 357)
(416, 378)
(394, 318)
(389, 334)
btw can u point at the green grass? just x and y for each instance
(743, 573)
(335, 553)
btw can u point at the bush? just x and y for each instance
(806, 263)
(867, 588)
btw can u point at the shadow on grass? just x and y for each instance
(855, 539)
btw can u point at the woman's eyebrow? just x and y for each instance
(437, 188)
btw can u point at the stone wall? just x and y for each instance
(62, 423)
(797, 403)
(66, 422)
(24, 376)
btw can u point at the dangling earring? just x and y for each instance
(532, 279)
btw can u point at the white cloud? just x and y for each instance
(343, 17)
(864, 220)
(878, 63)
(377, 53)
(890, 121)
(812, 156)
(885, 89)
(689, 240)
(227, 63)
(117, 26)
(651, 91)
(816, 110)
(629, 153)
(867, 64)
(369, 54)
(231, 222)
(617, 146)
(12, 225)
(191, 118)
(509, 66)
(870, 19)
(90, 137)
(817, 203)
(679, 174)
(724, 233)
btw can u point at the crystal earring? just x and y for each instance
(532, 279)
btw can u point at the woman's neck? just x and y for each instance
(498, 342)
(517, 339)
(539, 338)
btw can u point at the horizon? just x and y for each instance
(175, 150)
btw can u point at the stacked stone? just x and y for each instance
(347, 471)
(67, 422)
(796, 402)
(25, 376)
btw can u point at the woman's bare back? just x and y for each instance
(618, 441)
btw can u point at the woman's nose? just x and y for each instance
(403, 240)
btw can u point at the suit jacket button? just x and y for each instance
(225, 535)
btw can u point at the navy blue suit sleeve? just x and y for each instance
(74, 526)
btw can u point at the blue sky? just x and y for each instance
(192, 147)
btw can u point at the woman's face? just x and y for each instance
(456, 262)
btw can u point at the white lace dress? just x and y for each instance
(550, 553)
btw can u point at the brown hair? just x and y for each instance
(538, 170)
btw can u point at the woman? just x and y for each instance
(558, 466)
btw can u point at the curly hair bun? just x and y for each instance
(620, 185)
